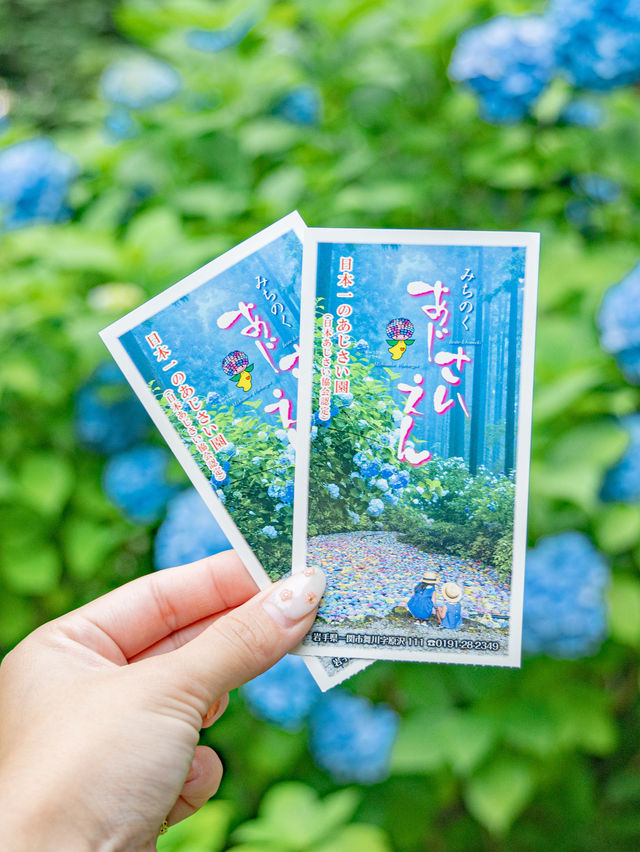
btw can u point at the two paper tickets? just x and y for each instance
(359, 400)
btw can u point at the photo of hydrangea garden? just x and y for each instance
(235, 412)
(423, 506)
(140, 140)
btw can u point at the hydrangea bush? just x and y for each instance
(110, 191)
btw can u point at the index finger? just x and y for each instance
(144, 611)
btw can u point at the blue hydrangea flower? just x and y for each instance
(301, 105)
(387, 470)
(120, 124)
(583, 112)
(598, 188)
(273, 490)
(269, 531)
(355, 517)
(564, 597)
(34, 183)
(399, 479)
(359, 459)
(136, 481)
(213, 398)
(333, 490)
(375, 507)
(507, 62)
(622, 482)
(108, 417)
(351, 738)
(619, 323)
(229, 451)
(361, 347)
(578, 212)
(189, 532)
(370, 468)
(214, 41)
(139, 82)
(629, 363)
(283, 695)
(597, 42)
(344, 398)
(286, 494)
(390, 497)
(382, 484)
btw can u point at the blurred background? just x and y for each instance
(140, 139)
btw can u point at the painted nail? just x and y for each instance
(296, 596)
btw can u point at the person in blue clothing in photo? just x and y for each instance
(450, 613)
(422, 603)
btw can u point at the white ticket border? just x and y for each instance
(111, 338)
(511, 239)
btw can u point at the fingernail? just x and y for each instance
(211, 712)
(296, 596)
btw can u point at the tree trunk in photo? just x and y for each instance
(512, 348)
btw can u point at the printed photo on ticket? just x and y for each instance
(413, 441)
(214, 359)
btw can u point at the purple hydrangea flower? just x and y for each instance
(139, 82)
(108, 416)
(597, 42)
(34, 183)
(351, 738)
(507, 62)
(283, 695)
(136, 481)
(564, 597)
(189, 532)
(622, 482)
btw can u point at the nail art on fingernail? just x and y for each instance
(296, 596)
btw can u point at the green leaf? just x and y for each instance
(617, 528)
(292, 817)
(499, 792)
(45, 481)
(32, 571)
(205, 831)
(357, 838)
(552, 398)
(17, 618)
(624, 610)
(531, 726)
(458, 739)
(87, 543)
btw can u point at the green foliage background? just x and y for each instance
(513, 759)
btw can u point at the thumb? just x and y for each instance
(249, 639)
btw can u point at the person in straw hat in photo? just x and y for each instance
(450, 613)
(422, 603)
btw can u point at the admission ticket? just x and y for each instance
(413, 441)
(214, 360)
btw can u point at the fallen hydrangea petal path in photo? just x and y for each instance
(370, 574)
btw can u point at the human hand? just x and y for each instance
(100, 710)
